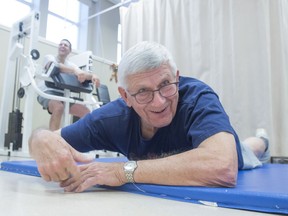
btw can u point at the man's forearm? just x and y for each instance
(216, 165)
(179, 170)
(68, 69)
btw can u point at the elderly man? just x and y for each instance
(173, 130)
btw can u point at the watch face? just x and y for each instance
(129, 166)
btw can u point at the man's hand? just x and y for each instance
(81, 75)
(95, 80)
(55, 158)
(96, 173)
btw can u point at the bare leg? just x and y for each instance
(57, 109)
(257, 145)
(79, 110)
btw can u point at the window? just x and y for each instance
(63, 21)
(119, 44)
(67, 9)
(58, 29)
(63, 18)
(13, 11)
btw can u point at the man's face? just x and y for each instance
(161, 110)
(64, 48)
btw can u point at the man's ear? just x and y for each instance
(177, 75)
(123, 94)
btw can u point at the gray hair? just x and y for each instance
(142, 57)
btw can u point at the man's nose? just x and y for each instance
(157, 97)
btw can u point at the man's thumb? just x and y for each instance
(80, 157)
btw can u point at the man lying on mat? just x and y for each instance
(173, 130)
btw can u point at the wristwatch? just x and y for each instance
(129, 168)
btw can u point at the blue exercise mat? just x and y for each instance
(263, 189)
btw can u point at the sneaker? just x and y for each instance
(262, 133)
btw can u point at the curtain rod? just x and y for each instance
(102, 60)
(109, 9)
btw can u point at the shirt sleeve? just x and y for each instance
(207, 118)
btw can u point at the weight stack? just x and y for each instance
(14, 134)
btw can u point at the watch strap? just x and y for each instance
(130, 173)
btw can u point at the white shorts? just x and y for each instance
(250, 160)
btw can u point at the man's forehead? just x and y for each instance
(149, 78)
(64, 42)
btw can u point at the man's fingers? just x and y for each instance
(59, 171)
(58, 176)
(70, 184)
(96, 82)
(50, 176)
(73, 172)
(81, 77)
(65, 174)
(46, 177)
(79, 157)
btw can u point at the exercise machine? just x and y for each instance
(20, 82)
(13, 140)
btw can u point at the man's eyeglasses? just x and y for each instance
(147, 96)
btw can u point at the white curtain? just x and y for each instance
(238, 47)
